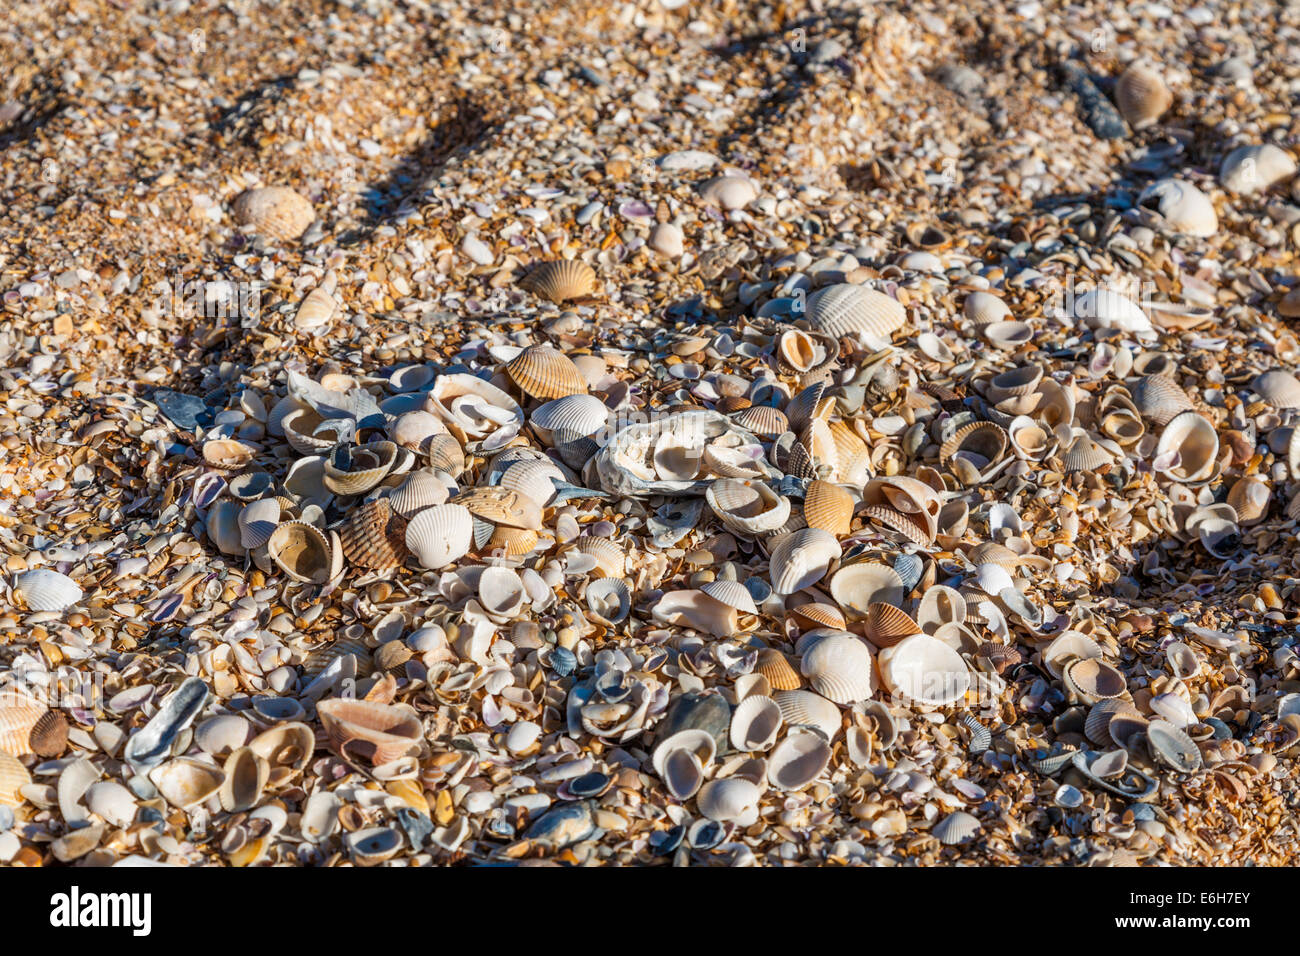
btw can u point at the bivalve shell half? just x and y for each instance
(1173, 747)
(275, 211)
(421, 489)
(246, 777)
(13, 777)
(1141, 95)
(304, 552)
(1278, 388)
(856, 587)
(1093, 679)
(440, 534)
(956, 828)
(730, 800)
(840, 668)
(926, 670)
(355, 469)
(376, 732)
(374, 536)
(1187, 449)
(803, 708)
(801, 559)
(985, 308)
(561, 280)
(776, 667)
(817, 614)
(1180, 207)
(45, 590)
(544, 372)
(729, 192)
(1159, 398)
(501, 506)
(18, 716)
(798, 760)
(755, 724)
(888, 624)
(748, 507)
(854, 310)
(731, 593)
(570, 417)
(1252, 169)
(829, 507)
(185, 782)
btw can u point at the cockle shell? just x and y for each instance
(611, 559)
(1159, 398)
(420, 490)
(532, 479)
(501, 592)
(798, 760)
(561, 280)
(1141, 95)
(18, 716)
(798, 351)
(1065, 646)
(1083, 454)
(856, 587)
(1181, 207)
(416, 430)
(570, 417)
(374, 537)
(816, 614)
(888, 624)
(221, 734)
(702, 744)
(543, 371)
(729, 192)
(1172, 746)
(803, 708)
(956, 828)
(982, 444)
(185, 782)
(1183, 661)
(755, 723)
(829, 507)
(376, 732)
(801, 559)
(1013, 383)
(440, 534)
(286, 747)
(1008, 335)
(308, 433)
(855, 310)
(226, 454)
(320, 816)
(747, 507)
(1249, 497)
(731, 799)
(1278, 388)
(13, 777)
(1187, 449)
(731, 593)
(984, 308)
(924, 669)
(45, 590)
(274, 211)
(1103, 308)
(257, 522)
(1252, 169)
(355, 469)
(910, 496)
(763, 420)
(840, 668)
(610, 598)
(907, 525)
(940, 605)
(1093, 679)
(305, 553)
(778, 670)
(112, 802)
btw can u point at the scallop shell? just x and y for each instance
(803, 708)
(257, 522)
(303, 552)
(1159, 398)
(1251, 169)
(355, 469)
(542, 371)
(611, 559)
(888, 624)
(374, 537)
(909, 496)
(924, 669)
(778, 670)
(376, 732)
(798, 760)
(560, 280)
(731, 799)
(1278, 388)
(755, 724)
(747, 507)
(956, 828)
(1093, 679)
(856, 587)
(46, 590)
(801, 559)
(1187, 449)
(829, 507)
(1181, 207)
(840, 668)
(729, 192)
(274, 211)
(1141, 95)
(1084, 454)
(854, 310)
(501, 506)
(897, 521)
(984, 308)
(440, 534)
(186, 782)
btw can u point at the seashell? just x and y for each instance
(1067, 645)
(1278, 388)
(570, 417)
(1249, 498)
(763, 420)
(149, 745)
(501, 506)
(798, 760)
(246, 775)
(304, 553)
(747, 507)
(731, 799)
(956, 828)
(840, 668)
(1173, 747)
(1093, 679)
(1097, 724)
(1014, 383)
(1159, 399)
(1187, 449)
(1007, 335)
(274, 211)
(1180, 207)
(924, 669)
(49, 735)
(693, 740)
(534, 480)
(1141, 95)
(682, 773)
(185, 782)
(629, 463)
(755, 724)
(46, 590)
(809, 405)
(420, 490)
(729, 192)
(984, 308)
(829, 507)
(910, 496)
(18, 716)
(374, 538)
(609, 598)
(912, 569)
(611, 560)
(559, 280)
(1183, 662)
(221, 735)
(476, 409)
(250, 486)
(856, 587)
(798, 351)
(778, 670)
(695, 609)
(667, 240)
(981, 738)
(990, 552)
(355, 469)
(440, 534)
(803, 708)
(373, 845)
(888, 624)
(734, 461)
(415, 430)
(1084, 454)
(1103, 308)
(982, 444)
(316, 310)
(287, 748)
(308, 433)
(731, 593)
(320, 816)
(1252, 169)
(501, 592)
(112, 802)
(13, 777)
(379, 733)
(801, 559)
(897, 521)
(854, 310)
(940, 605)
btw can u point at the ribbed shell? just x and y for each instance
(18, 716)
(561, 280)
(729, 192)
(802, 559)
(299, 425)
(896, 521)
(13, 775)
(818, 615)
(763, 420)
(990, 552)
(275, 211)
(984, 439)
(1097, 724)
(502, 506)
(610, 557)
(440, 534)
(49, 735)
(731, 593)
(1159, 398)
(856, 587)
(533, 479)
(888, 624)
(1084, 454)
(985, 308)
(315, 310)
(776, 667)
(839, 668)
(571, 417)
(846, 309)
(747, 507)
(355, 469)
(46, 590)
(445, 454)
(1015, 382)
(829, 507)
(374, 536)
(420, 490)
(323, 657)
(1197, 443)
(805, 708)
(512, 541)
(957, 827)
(1141, 95)
(1095, 679)
(1249, 497)
(1173, 747)
(542, 371)
(388, 731)
(1278, 388)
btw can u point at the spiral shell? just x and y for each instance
(561, 280)
(274, 211)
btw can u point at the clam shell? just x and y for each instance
(1173, 747)
(682, 774)
(226, 454)
(501, 592)
(806, 709)
(1014, 383)
(801, 559)
(355, 469)
(1067, 645)
(559, 281)
(1181, 207)
(854, 310)
(748, 507)
(809, 405)
(1103, 308)
(1084, 454)
(829, 507)
(940, 605)
(542, 371)
(982, 443)
(112, 802)
(1183, 661)
(286, 747)
(1252, 169)
(13, 777)
(1249, 498)
(1159, 398)
(856, 587)
(416, 429)
(320, 816)
(798, 760)
(440, 534)
(1097, 724)
(755, 724)
(300, 431)
(18, 716)
(512, 542)
(731, 799)
(816, 614)
(1141, 95)
(304, 553)
(906, 525)
(731, 593)
(49, 735)
(1196, 444)
(763, 420)
(611, 559)
(246, 775)
(257, 522)
(274, 211)
(1008, 334)
(693, 740)
(571, 417)
(185, 782)
(45, 590)
(888, 624)
(909, 496)
(373, 537)
(990, 552)
(534, 480)
(729, 192)
(222, 734)
(956, 828)
(315, 311)
(501, 506)
(609, 598)
(924, 669)
(984, 308)
(776, 667)
(798, 351)
(840, 668)
(376, 732)
(420, 490)
(1278, 388)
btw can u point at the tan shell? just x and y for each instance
(303, 552)
(798, 351)
(246, 777)
(445, 454)
(355, 469)
(747, 507)
(1278, 388)
(300, 425)
(778, 670)
(1094, 679)
(829, 507)
(1141, 95)
(910, 496)
(374, 536)
(888, 624)
(1159, 398)
(185, 782)
(798, 760)
(13, 777)
(985, 308)
(275, 211)
(762, 420)
(755, 724)
(502, 506)
(611, 559)
(226, 454)
(376, 732)
(816, 614)
(896, 521)
(983, 444)
(1084, 454)
(513, 542)
(316, 310)
(840, 668)
(990, 552)
(18, 716)
(853, 310)
(1249, 497)
(561, 280)
(1097, 724)
(471, 407)
(544, 372)
(49, 735)
(288, 747)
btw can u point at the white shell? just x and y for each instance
(185, 782)
(1252, 169)
(477, 408)
(801, 559)
(924, 669)
(984, 308)
(1104, 308)
(112, 801)
(956, 827)
(731, 799)
(46, 590)
(805, 708)
(855, 310)
(501, 592)
(748, 507)
(257, 522)
(729, 192)
(798, 760)
(1187, 449)
(1181, 207)
(840, 668)
(440, 534)
(731, 593)
(755, 723)
(570, 417)
(320, 816)
(699, 742)
(856, 587)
